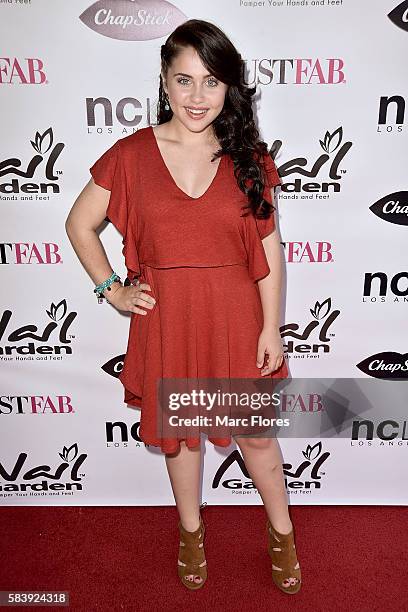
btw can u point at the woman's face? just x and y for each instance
(190, 87)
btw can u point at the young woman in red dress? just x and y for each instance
(205, 276)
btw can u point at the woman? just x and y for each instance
(205, 273)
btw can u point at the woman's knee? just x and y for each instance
(261, 443)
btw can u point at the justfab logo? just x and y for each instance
(27, 71)
(29, 253)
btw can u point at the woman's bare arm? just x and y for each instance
(270, 286)
(270, 294)
(84, 218)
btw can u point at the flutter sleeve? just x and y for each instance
(267, 226)
(272, 175)
(109, 172)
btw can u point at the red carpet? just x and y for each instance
(352, 558)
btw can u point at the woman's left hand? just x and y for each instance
(270, 349)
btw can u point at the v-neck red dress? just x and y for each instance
(202, 260)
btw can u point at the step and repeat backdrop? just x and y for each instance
(331, 104)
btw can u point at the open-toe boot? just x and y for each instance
(285, 565)
(191, 560)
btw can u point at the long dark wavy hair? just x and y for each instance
(234, 127)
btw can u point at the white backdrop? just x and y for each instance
(324, 71)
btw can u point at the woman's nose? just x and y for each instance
(197, 94)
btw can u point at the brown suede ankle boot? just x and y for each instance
(191, 558)
(285, 565)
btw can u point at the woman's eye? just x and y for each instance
(185, 81)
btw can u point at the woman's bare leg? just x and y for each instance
(184, 473)
(263, 459)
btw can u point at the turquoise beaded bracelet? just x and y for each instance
(106, 285)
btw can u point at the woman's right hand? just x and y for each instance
(132, 298)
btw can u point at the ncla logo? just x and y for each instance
(129, 20)
(397, 109)
(388, 365)
(29, 253)
(323, 319)
(122, 437)
(42, 144)
(389, 429)
(127, 111)
(308, 252)
(314, 459)
(392, 208)
(397, 285)
(25, 72)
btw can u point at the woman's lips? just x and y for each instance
(196, 115)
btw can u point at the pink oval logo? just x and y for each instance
(132, 19)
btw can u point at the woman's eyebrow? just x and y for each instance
(189, 75)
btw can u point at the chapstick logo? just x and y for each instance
(388, 365)
(129, 20)
(399, 15)
(392, 208)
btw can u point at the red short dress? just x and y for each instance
(202, 259)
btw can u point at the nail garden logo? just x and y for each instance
(27, 71)
(37, 178)
(133, 19)
(388, 365)
(28, 479)
(379, 287)
(315, 338)
(42, 342)
(28, 253)
(307, 185)
(302, 478)
(392, 208)
(399, 15)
